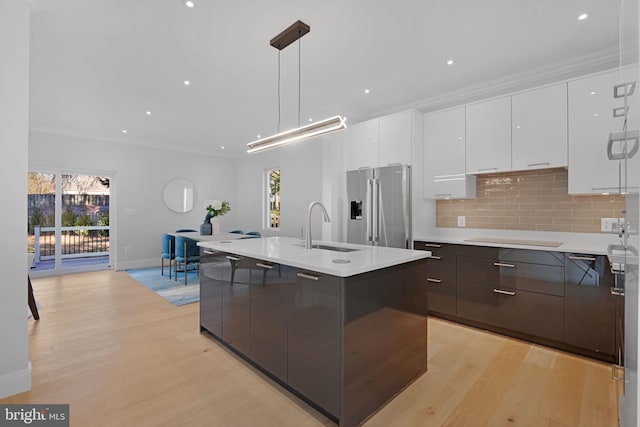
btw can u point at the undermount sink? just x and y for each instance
(330, 248)
(334, 248)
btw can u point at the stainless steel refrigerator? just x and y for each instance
(379, 206)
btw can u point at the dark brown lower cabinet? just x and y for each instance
(526, 312)
(564, 299)
(236, 321)
(589, 306)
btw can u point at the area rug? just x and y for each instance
(174, 292)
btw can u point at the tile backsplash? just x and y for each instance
(529, 200)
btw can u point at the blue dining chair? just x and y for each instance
(237, 232)
(187, 252)
(168, 252)
(253, 233)
(186, 230)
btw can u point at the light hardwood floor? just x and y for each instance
(122, 356)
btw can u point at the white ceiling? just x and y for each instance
(97, 66)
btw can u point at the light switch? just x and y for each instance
(462, 221)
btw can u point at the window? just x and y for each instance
(273, 198)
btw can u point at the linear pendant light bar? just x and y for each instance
(323, 127)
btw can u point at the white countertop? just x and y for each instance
(290, 251)
(591, 243)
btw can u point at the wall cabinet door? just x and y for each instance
(268, 312)
(539, 128)
(591, 105)
(314, 338)
(444, 156)
(361, 145)
(236, 305)
(588, 304)
(396, 133)
(488, 129)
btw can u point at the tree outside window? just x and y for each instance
(273, 198)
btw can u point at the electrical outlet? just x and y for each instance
(611, 225)
(462, 221)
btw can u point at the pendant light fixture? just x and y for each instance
(332, 124)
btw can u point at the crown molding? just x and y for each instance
(560, 71)
(129, 141)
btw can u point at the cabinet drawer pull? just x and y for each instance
(232, 258)
(500, 291)
(435, 257)
(268, 267)
(307, 276)
(443, 195)
(209, 251)
(538, 164)
(583, 258)
(502, 264)
(429, 279)
(619, 292)
(487, 169)
(432, 245)
(615, 368)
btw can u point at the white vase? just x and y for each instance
(215, 225)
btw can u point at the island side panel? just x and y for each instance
(384, 337)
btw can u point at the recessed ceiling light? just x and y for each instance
(187, 82)
(517, 126)
(595, 114)
(222, 148)
(583, 16)
(450, 62)
(258, 136)
(189, 3)
(593, 92)
(460, 138)
(148, 113)
(367, 91)
(124, 131)
(310, 119)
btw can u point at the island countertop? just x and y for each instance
(291, 251)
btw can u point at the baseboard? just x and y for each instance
(15, 382)
(143, 263)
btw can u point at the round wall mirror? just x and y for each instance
(178, 195)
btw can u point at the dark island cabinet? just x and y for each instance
(313, 338)
(588, 304)
(211, 291)
(236, 306)
(268, 317)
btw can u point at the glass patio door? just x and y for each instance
(68, 222)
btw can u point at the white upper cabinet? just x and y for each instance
(444, 156)
(591, 105)
(396, 133)
(383, 141)
(488, 147)
(539, 128)
(361, 145)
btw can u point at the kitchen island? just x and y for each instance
(342, 326)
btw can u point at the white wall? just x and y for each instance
(300, 184)
(15, 370)
(140, 175)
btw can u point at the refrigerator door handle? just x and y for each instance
(368, 209)
(375, 210)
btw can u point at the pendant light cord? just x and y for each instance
(278, 91)
(299, 41)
